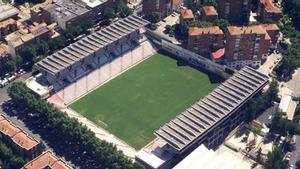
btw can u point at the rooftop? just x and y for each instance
(7, 22)
(270, 7)
(94, 3)
(67, 9)
(24, 35)
(90, 44)
(18, 136)
(187, 14)
(198, 119)
(203, 158)
(210, 10)
(46, 160)
(214, 30)
(7, 11)
(257, 29)
(270, 27)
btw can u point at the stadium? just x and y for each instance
(118, 80)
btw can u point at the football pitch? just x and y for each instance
(136, 103)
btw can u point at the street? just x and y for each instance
(296, 153)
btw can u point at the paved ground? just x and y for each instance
(170, 20)
(270, 63)
(103, 134)
(264, 118)
(296, 153)
(293, 84)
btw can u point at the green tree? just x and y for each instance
(275, 159)
(211, 3)
(292, 8)
(122, 9)
(66, 134)
(28, 54)
(108, 13)
(8, 159)
(41, 48)
(154, 17)
(222, 23)
(297, 165)
(10, 66)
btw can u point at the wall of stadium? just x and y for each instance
(106, 72)
(194, 59)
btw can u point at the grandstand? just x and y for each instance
(89, 62)
(208, 121)
(197, 121)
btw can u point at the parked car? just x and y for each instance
(4, 82)
(11, 78)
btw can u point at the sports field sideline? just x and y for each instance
(133, 105)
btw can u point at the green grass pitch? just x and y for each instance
(135, 104)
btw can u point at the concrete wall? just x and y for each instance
(194, 58)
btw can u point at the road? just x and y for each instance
(296, 153)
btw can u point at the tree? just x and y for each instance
(10, 66)
(154, 17)
(41, 48)
(66, 134)
(8, 158)
(275, 159)
(292, 8)
(211, 3)
(297, 165)
(123, 9)
(222, 23)
(108, 13)
(283, 126)
(28, 54)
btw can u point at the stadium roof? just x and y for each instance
(90, 44)
(204, 114)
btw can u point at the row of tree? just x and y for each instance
(70, 138)
(290, 27)
(8, 159)
(283, 126)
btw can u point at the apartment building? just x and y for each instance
(19, 140)
(233, 10)
(203, 41)
(268, 11)
(23, 37)
(246, 46)
(47, 160)
(186, 16)
(164, 7)
(7, 11)
(7, 26)
(4, 56)
(273, 32)
(209, 13)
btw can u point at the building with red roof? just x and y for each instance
(209, 13)
(47, 160)
(268, 11)
(203, 41)
(19, 140)
(246, 45)
(186, 15)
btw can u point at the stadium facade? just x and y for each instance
(209, 121)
